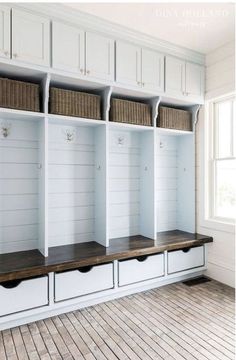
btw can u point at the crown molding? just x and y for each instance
(58, 11)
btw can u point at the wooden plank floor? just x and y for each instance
(172, 322)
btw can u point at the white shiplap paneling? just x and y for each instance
(124, 183)
(175, 183)
(19, 187)
(71, 185)
(220, 71)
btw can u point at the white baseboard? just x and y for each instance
(221, 274)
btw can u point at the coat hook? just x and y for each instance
(5, 129)
(120, 140)
(69, 135)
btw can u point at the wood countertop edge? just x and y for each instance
(73, 264)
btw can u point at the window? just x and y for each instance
(222, 161)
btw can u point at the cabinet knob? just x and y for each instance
(6, 53)
(139, 83)
(143, 84)
(15, 55)
(88, 72)
(82, 71)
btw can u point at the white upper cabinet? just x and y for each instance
(99, 56)
(68, 48)
(139, 67)
(5, 46)
(152, 70)
(194, 80)
(128, 64)
(174, 76)
(184, 79)
(30, 38)
(85, 53)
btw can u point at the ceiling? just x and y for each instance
(202, 27)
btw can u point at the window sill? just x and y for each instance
(218, 224)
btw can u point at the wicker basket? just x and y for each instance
(131, 112)
(19, 95)
(174, 119)
(75, 103)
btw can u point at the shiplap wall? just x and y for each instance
(166, 182)
(175, 183)
(220, 71)
(19, 187)
(124, 183)
(220, 80)
(71, 185)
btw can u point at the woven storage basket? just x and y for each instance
(131, 112)
(174, 119)
(19, 95)
(75, 103)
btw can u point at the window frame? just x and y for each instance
(210, 153)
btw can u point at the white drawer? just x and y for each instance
(185, 259)
(23, 295)
(83, 281)
(140, 269)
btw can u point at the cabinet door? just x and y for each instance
(99, 56)
(174, 76)
(128, 64)
(152, 70)
(30, 38)
(68, 48)
(194, 80)
(5, 32)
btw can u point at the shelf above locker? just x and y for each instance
(26, 264)
(12, 114)
(129, 127)
(163, 131)
(72, 120)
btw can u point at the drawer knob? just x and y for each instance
(186, 250)
(10, 284)
(142, 258)
(85, 269)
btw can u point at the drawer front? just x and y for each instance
(22, 295)
(140, 269)
(83, 281)
(185, 259)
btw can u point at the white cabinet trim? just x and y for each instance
(5, 51)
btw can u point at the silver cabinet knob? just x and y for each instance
(82, 71)
(6, 53)
(139, 83)
(88, 72)
(15, 55)
(143, 84)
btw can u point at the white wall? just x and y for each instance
(220, 71)
(220, 80)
